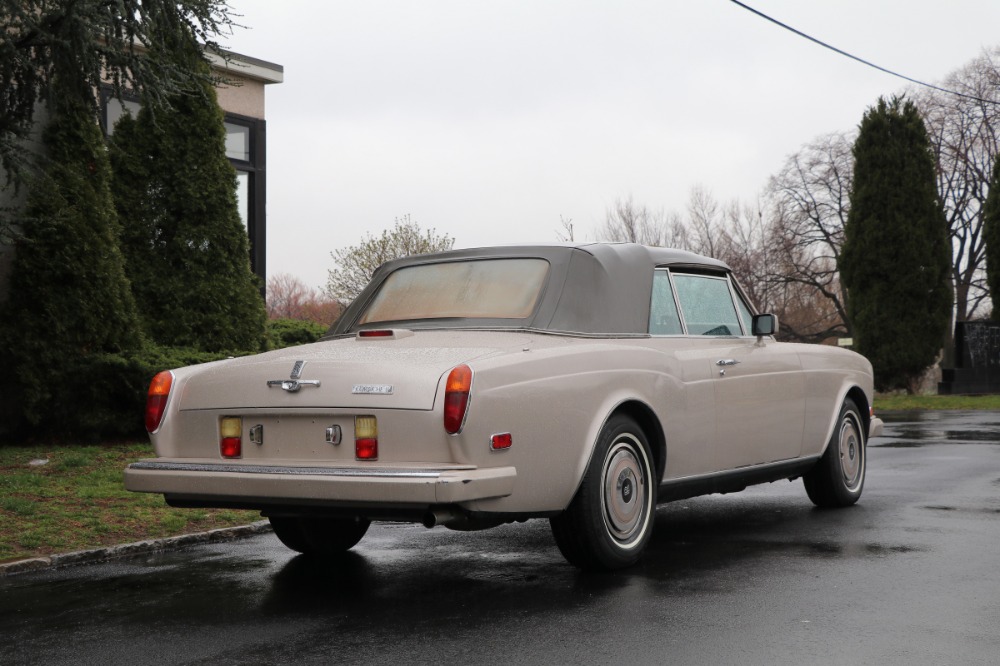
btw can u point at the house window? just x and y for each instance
(114, 109)
(245, 148)
(237, 142)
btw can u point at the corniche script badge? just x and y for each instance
(372, 389)
(294, 383)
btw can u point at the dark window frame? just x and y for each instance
(734, 298)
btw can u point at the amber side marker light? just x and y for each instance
(156, 399)
(456, 398)
(231, 436)
(365, 438)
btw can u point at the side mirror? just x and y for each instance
(764, 324)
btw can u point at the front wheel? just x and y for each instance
(319, 535)
(609, 521)
(839, 476)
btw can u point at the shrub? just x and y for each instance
(290, 332)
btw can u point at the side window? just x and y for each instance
(745, 315)
(663, 317)
(707, 305)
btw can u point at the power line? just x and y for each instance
(861, 60)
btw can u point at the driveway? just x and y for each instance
(909, 575)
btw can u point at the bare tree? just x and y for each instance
(748, 238)
(964, 137)
(741, 240)
(288, 297)
(565, 233)
(809, 201)
(628, 222)
(357, 263)
(706, 231)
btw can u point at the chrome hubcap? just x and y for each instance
(624, 492)
(851, 453)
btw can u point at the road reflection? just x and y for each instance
(912, 429)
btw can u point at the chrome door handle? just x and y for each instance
(726, 361)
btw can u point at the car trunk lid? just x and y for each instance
(392, 372)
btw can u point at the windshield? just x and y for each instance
(478, 289)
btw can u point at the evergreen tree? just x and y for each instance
(896, 254)
(69, 298)
(99, 42)
(991, 233)
(186, 249)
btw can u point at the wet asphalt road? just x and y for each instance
(911, 575)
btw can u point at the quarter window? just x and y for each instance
(745, 315)
(663, 316)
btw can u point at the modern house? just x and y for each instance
(242, 100)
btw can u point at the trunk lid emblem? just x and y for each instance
(294, 382)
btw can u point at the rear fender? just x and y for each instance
(644, 416)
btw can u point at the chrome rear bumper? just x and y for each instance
(390, 485)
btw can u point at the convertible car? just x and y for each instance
(581, 383)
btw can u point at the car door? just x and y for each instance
(687, 401)
(759, 389)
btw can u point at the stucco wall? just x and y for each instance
(245, 97)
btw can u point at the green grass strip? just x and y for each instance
(77, 500)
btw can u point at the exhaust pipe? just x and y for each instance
(439, 517)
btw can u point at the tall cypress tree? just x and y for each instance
(991, 234)
(186, 249)
(69, 298)
(896, 254)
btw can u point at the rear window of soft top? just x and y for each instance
(477, 289)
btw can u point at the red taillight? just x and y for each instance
(231, 437)
(231, 447)
(365, 438)
(456, 398)
(156, 399)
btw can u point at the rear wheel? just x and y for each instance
(609, 521)
(839, 476)
(319, 535)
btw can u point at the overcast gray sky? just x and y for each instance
(490, 120)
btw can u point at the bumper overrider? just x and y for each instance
(875, 427)
(249, 483)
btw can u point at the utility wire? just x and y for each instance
(861, 60)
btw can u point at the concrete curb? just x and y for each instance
(137, 548)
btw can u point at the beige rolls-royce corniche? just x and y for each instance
(582, 383)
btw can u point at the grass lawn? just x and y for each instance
(886, 403)
(77, 500)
